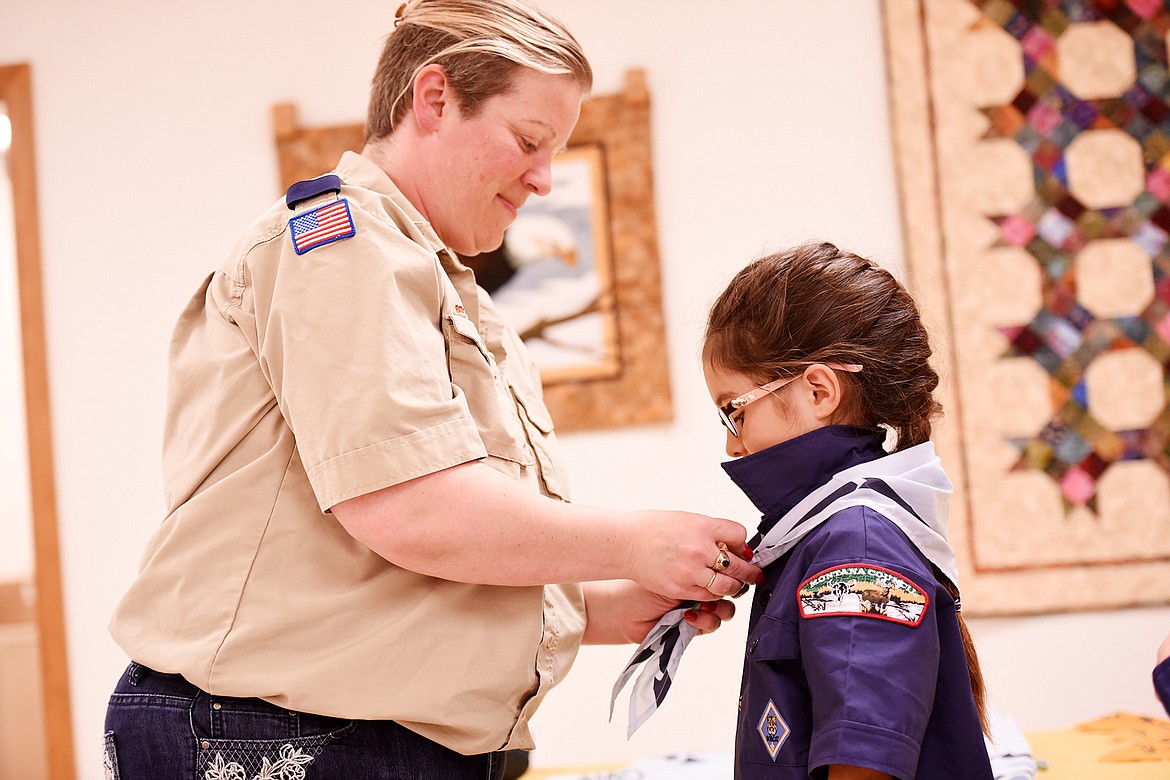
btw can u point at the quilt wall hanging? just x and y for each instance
(1032, 143)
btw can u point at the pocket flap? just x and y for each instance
(774, 640)
(535, 411)
(466, 328)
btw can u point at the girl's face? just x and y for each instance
(784, 414)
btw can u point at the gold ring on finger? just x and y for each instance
(714, 574)
(722, 560)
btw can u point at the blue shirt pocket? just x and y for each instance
(775, 715)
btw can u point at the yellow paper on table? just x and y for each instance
(1137, 738)
(1121, 746)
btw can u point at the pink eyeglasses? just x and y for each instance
(735, 404)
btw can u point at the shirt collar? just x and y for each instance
(364, 172)
(778, 477)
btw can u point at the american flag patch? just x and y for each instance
(323, 225)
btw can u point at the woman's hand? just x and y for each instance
(621, 611)
(675, 553)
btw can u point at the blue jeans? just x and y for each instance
(160, 727)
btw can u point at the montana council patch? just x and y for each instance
(862, 590)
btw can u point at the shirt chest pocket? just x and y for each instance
(775, 708)
(475, 377)
(774, 640)
(538, 427)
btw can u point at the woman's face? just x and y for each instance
(492, 161)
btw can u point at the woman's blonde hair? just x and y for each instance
(479, 43)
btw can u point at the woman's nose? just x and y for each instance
(538, 178)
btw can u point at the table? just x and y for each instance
(1092, 750)
(1103, 749)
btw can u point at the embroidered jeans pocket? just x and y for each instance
(227, 759)
(248, 739)
(110, 757)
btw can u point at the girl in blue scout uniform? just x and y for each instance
(858, 661)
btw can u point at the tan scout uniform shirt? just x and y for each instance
(296, 382)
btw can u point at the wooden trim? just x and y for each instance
(912, 128)
(16, 91)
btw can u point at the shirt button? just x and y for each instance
(205, 745)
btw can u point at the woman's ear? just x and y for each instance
(433, 95)
(823, 391)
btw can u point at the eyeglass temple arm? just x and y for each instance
(748, 397)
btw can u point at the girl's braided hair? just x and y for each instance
(818, 304)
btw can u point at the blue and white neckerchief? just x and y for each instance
(908, 487)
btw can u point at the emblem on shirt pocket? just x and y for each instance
(773, 729)
(865, 591)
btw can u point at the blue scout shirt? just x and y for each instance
(853, 651)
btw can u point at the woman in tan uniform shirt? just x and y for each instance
(369, 565)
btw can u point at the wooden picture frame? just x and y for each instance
(631, 386)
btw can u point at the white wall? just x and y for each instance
(154, 150)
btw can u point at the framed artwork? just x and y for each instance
(578, 273)
(1032, 143)
(552, 280)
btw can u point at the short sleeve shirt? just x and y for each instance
(854, 657)
(299, 380)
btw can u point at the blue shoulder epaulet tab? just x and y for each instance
(324, 224)
(311, 188)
